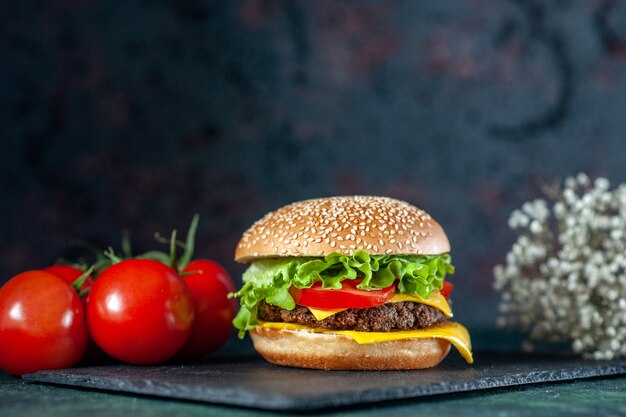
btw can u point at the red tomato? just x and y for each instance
(93, 354)
(69, 274)
(139, 311)
(349, 296)
(446, 290)
(42, 324)
(213, 311)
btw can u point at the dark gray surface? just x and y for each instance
(250, 382)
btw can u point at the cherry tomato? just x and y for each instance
(349, 296)
(446, 290)
(93, 354)
(140, 311)
(69, 274)
(213, 311)
(42, 324)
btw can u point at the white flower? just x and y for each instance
(564, 279)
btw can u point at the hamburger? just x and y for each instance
(348, 283)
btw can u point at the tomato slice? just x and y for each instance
(446, 290)
(349, 296)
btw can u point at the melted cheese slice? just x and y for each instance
(435, 300)
(454, 333)
(320, 314)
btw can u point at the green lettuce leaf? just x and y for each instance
(270, 279)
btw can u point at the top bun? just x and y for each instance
(318, 227)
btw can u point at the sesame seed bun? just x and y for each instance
(303, 349)
(318, 227)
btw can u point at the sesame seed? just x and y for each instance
(323, 220)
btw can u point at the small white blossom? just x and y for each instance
(564, 279)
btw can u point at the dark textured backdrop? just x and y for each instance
(129, 114)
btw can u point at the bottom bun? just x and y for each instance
(303, 349)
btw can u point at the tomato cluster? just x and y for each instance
(139, 311)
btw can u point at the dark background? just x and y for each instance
(136, 114)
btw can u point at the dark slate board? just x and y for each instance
(250, 382)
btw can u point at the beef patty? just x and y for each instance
(383, 318)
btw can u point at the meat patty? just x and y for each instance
(383, 318)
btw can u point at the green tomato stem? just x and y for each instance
(78, 283)
(190, 242)
(126, 245)
(110, 253)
